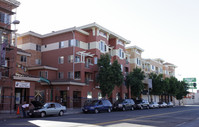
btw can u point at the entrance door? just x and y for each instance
(76, 99)
(63, 98)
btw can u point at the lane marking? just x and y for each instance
(140, 117)
(180, 124)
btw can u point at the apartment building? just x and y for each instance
(7, 56)
(157, 66)
(65, 62)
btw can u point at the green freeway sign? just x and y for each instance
(189, 79)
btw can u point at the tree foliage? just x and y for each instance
(109, 75)
(134, 81)
(157, 83)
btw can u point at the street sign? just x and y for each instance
(189, 79)
(192, 87)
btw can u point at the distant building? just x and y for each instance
(157, 66)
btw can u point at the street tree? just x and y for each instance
(109, 75)
(182, 88)
(158, 85)
(134, 81)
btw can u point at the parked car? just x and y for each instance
(97, 106)
(141, 104)
(162, 104)
(124, 104)
(153, 105)
(50, 108)
(170, 104)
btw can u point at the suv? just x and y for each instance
(97, 106)
(124, 104)
(141, 104)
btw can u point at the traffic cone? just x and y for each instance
(18, 112)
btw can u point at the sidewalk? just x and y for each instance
(4, 116)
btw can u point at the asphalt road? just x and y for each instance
(185, 116)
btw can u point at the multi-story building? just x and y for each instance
(66, 63)
(7, 56)
(157, 66)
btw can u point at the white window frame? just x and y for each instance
(61, 75)
(38, 61)
(61, 60)
(89, 95)
(95, 60)
(61, 44)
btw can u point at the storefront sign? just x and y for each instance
(22, 84)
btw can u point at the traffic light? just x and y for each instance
(194, 84)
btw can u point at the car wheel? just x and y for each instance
(132, 108)
(123, 109)
(141, 107)
(109, 110)
(96, 111)
(61, 113)
(147, 107)
(43, 114)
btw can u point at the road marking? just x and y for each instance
(122, 120)
(180, 124)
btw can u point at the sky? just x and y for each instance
(166, 29)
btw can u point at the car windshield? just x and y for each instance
(46, 105)
(95, 102)
(151, 102)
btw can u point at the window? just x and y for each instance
(99, 95)
(70, 75)
(61, 44)
(89, 95)
(61, 60)
(77, 75)
(61, 75)
(102, 34)
(88, 76)
(77, 44)
(4, 18)
(119, 42)
(138, 61)
(152, 67)
(43, 74)
(77, 59)
(74, 42)
(70, 58)
(23, 58)
(45, 46)
(95, 60)
(89, 45)
(38, 47)
(121, 67)
(38, 61)
(120, 52)
(105, 48)
(102, 46)
(161, 70)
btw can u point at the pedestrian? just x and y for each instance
(23, 107)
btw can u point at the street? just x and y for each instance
(184, 116)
